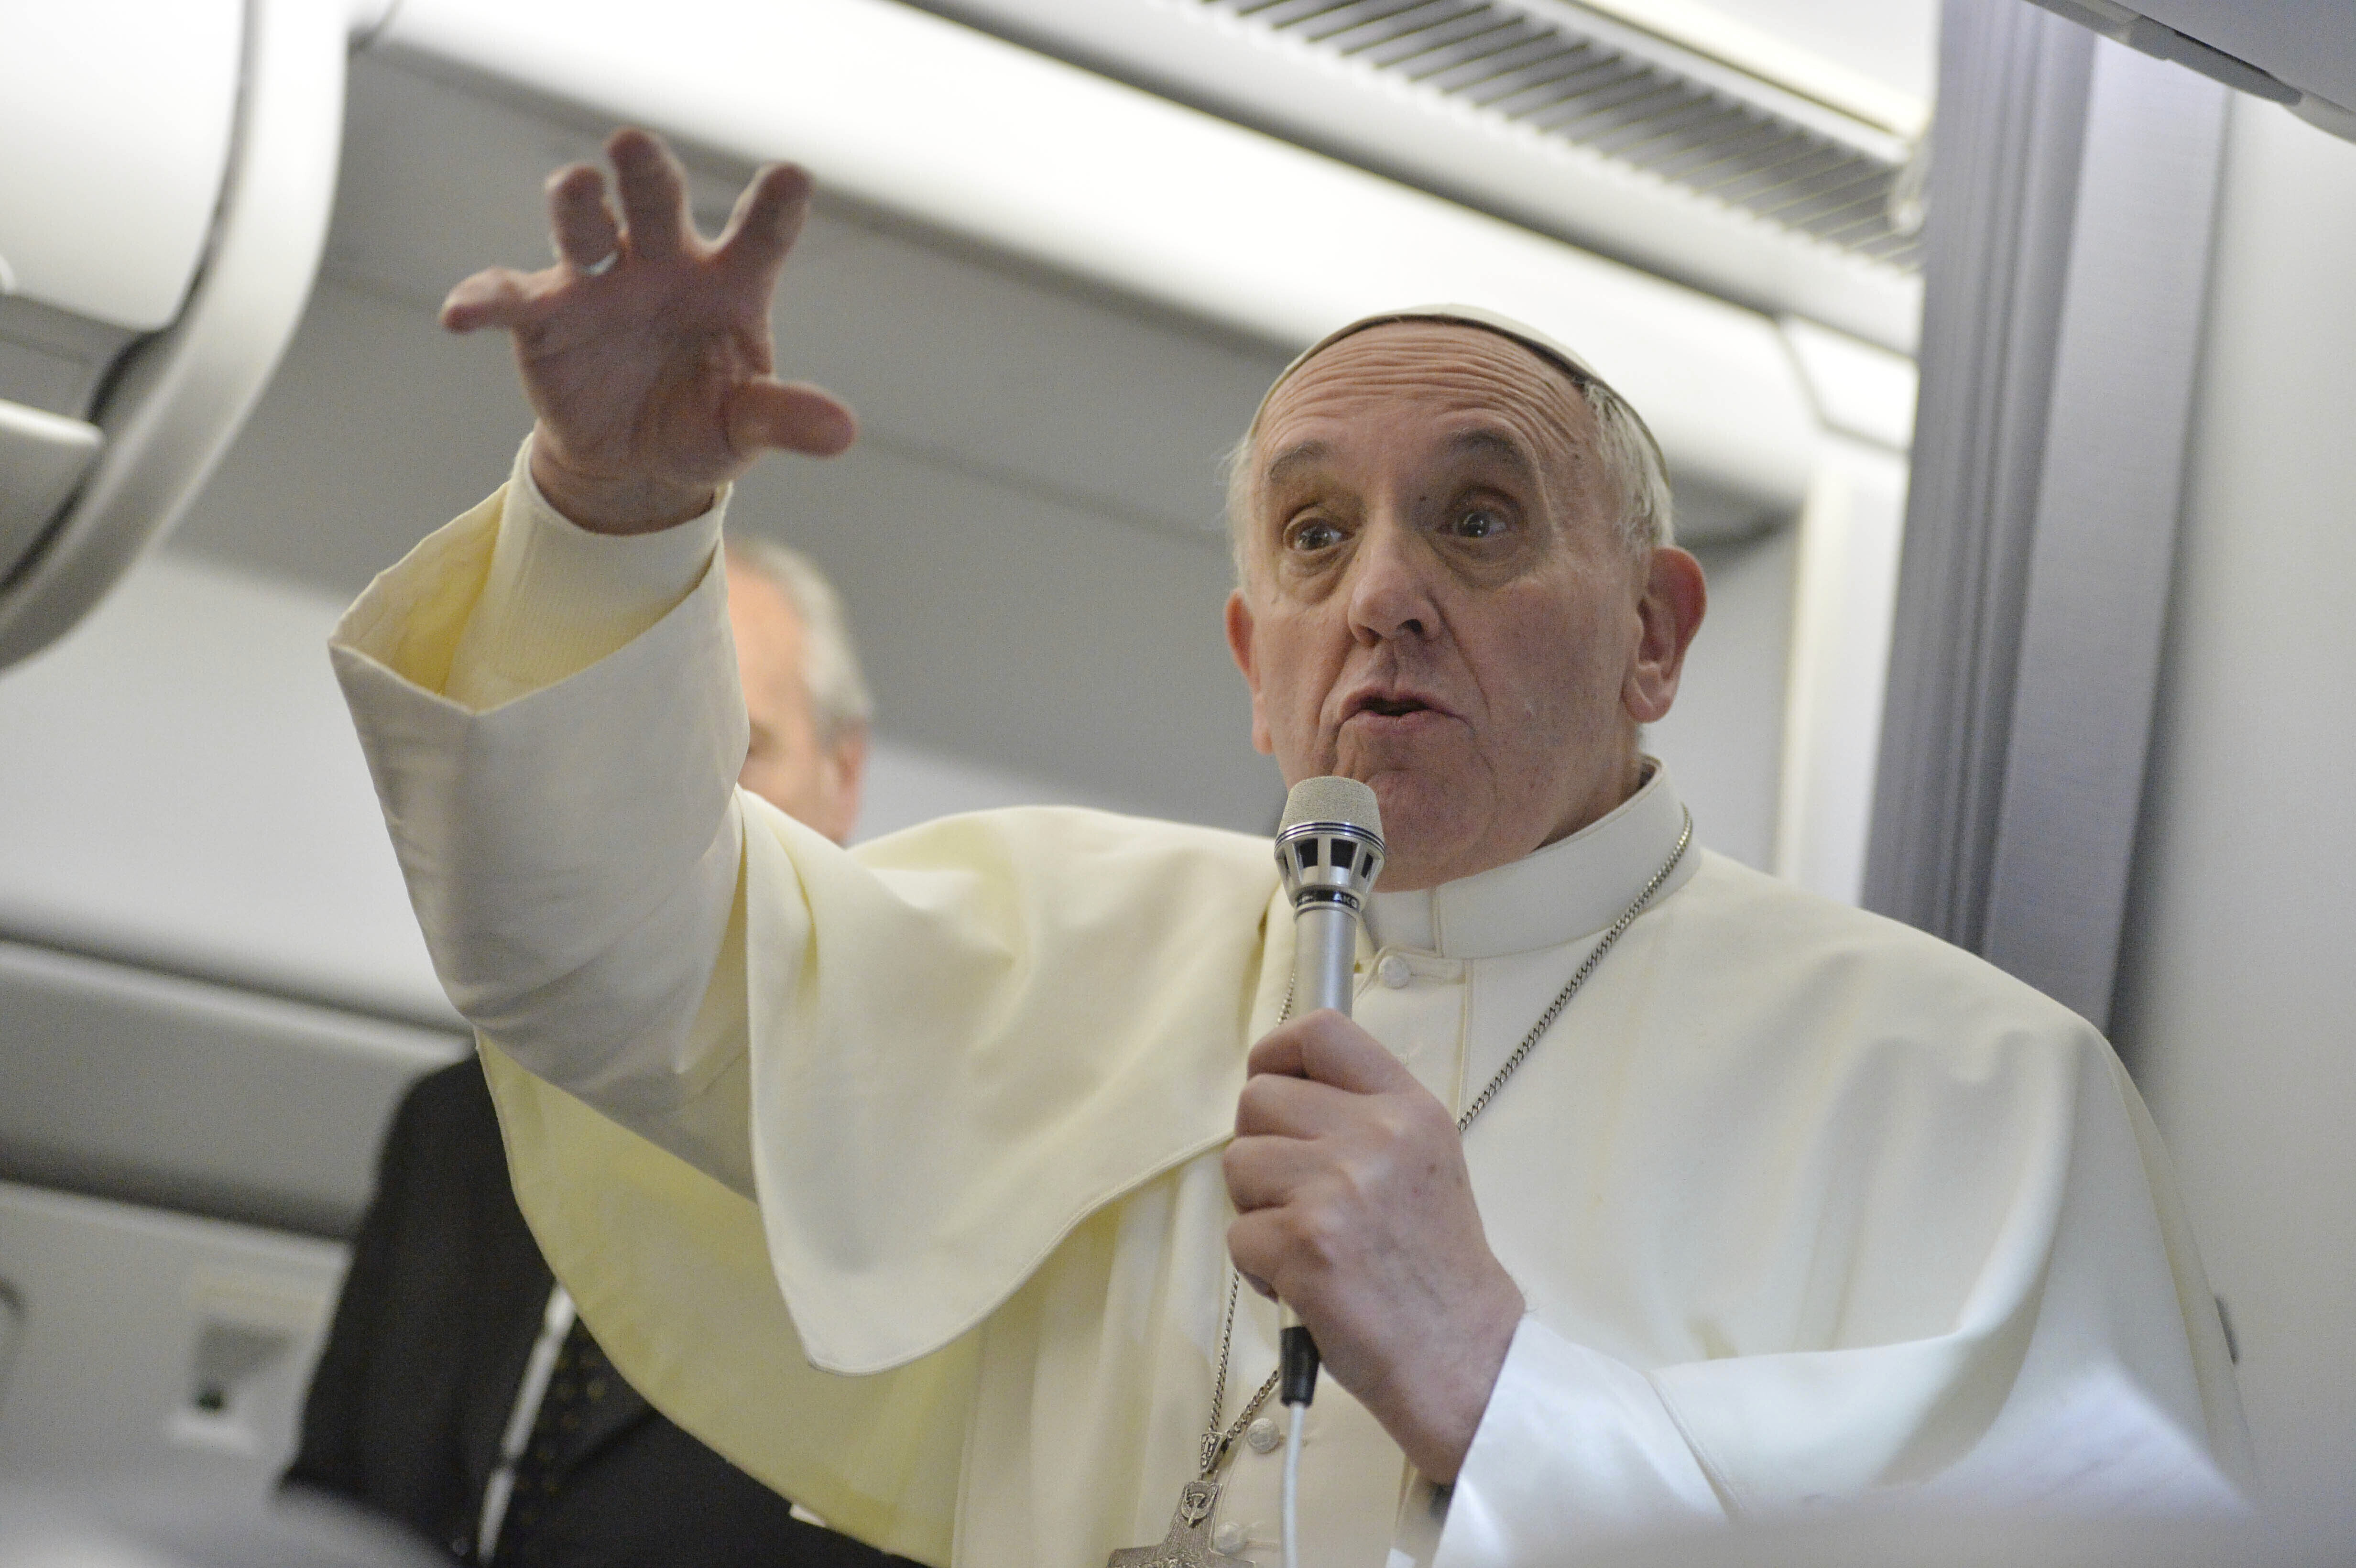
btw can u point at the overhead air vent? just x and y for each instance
(1579, 77)
(1666, 134)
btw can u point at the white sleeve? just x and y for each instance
(2084, 1376)
(1575, 1448)
(553, 723)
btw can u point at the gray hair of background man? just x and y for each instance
(1631, 460)
(840, 702)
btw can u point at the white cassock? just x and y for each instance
(892, 1172)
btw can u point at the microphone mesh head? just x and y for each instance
(1333, 799)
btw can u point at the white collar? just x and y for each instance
(1570, 888)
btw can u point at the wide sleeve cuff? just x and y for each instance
(572, 851)
(1575, 1448)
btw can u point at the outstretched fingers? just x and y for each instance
(790, 416)
(580, 221)
(768, 220)
(653, 188)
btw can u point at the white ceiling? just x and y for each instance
(1896, 42)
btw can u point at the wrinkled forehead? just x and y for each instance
(1471, 317)
(1452, 379)
(1417, 392)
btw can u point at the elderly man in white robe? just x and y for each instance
(918, 1177)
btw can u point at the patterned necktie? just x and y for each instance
(583, 1379)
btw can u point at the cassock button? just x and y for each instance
(1262, 1435)
(1393, 972)
(1228, 1538)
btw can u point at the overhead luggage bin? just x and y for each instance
(130, 105)
(1088, 176)
(2297, 53)
(153, 259)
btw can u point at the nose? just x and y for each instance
(1390, 594)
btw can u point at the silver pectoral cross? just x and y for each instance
(1188, 1544)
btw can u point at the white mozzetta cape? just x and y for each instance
(892, 1172)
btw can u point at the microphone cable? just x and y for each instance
(1297, 1356)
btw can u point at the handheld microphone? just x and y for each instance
(1328, 848)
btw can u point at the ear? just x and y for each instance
(1668, 613)
(844, 761)
(1241, 648)
(850, 766)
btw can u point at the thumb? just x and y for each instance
(793, 416)
(497, 297)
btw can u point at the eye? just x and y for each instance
(1478, 523)
(1310, 535)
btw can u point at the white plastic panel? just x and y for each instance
(1861, 390)
(1846, 582)
(194, 1097)
(182, 789)
(1891, 45)
(115, 118)
(171, 1351)
(2235, 986)
(1054, 164)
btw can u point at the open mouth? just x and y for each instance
(1391, 705)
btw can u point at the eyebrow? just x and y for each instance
(1301, 454)
(1484, 442)
(1497, 445)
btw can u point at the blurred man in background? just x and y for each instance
(459, 1393)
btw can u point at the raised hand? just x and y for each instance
(645, 349)
(1354, 1205)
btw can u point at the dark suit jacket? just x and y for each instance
(444, 1300)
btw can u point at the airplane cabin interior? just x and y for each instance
(2090, 721)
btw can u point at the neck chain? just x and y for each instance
(1218, 1442)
